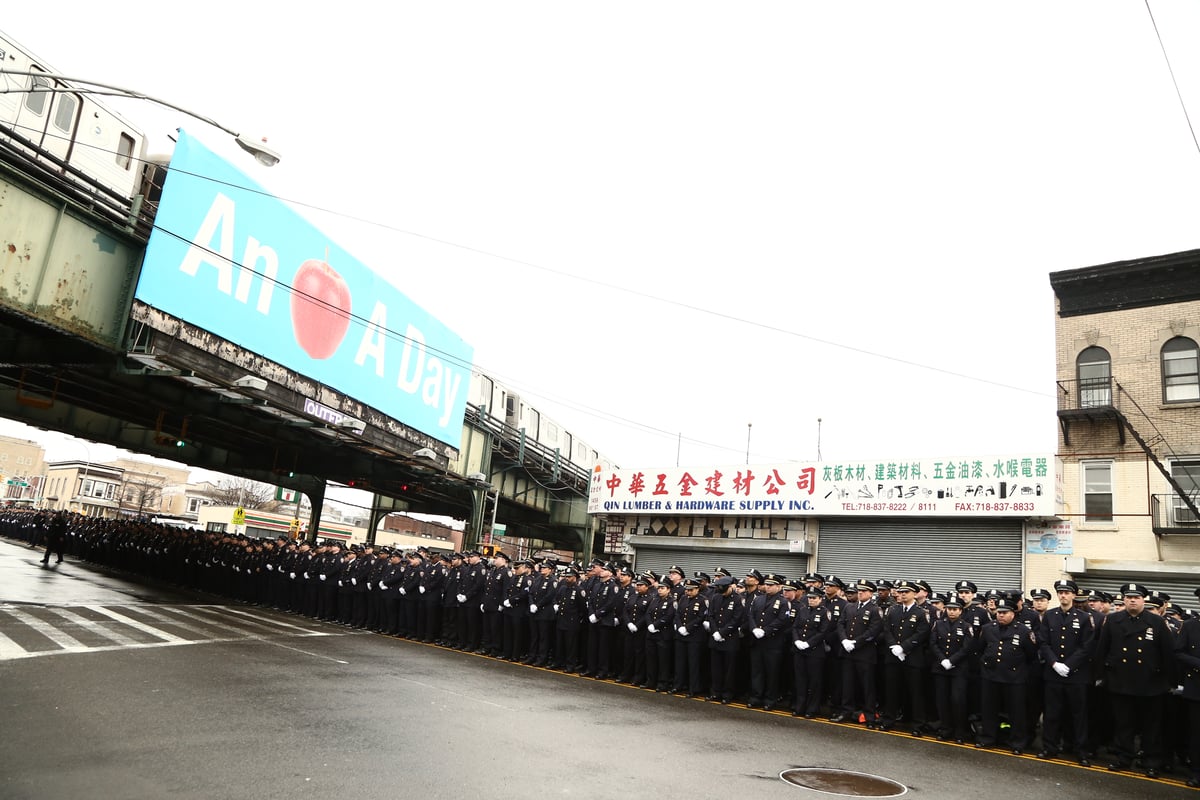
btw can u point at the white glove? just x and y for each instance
(237, 569)
(683, 631)
(341, 583)
(354, 581)
(632, 627)
(848, 644)
(1177, 690)
(501, 608)
(421, 589)
(592, 618)
(322, 577)
(532, 608)
(368, 586)
(758, 633)
(556, 608)
(481, 606)
(802, 645)
(292, 575)
(402, 590)
(652, 628)
(717, 637)
(383, 586)
(947, 664)
(902, 656)
(306, 576)
(507, 603)
(270, 567)
(897, 651)
(462, 598)
(706, 626)
(1062, 669)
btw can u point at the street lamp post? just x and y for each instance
(263, 154)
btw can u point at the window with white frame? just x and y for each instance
(1097, 491)
(1180, 371)
(1186, 472)
(1094, 370)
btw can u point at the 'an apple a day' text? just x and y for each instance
(418, 373)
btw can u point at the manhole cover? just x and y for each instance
(843, 782)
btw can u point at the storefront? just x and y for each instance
(938, 520)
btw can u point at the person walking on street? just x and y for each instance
(56, 537)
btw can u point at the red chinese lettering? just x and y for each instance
(637, 484)
(742, 483)
(686, 483)
(712, 484)
(612, 484)
(661, 486)
(808, 480)
(773, 482)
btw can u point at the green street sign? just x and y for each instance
(499, 528)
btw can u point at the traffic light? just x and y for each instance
(488, 550)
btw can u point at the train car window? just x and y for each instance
(64, 113)
(125, 151)
(35, 99)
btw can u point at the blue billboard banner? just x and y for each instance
(230, 258)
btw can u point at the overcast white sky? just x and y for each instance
(656, 219)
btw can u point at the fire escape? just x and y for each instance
(1093, 400)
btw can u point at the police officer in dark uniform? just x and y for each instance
(1187, 653)
(769, 620)
(1066, 637)
(514, 612)
(660, 635)
(495, 588)
(603, 604)
(570, 610)
(633, 627)
(810, 631)
(1009, 652)
(470, 600)
(726, 618)
(860, 628)
(952, 644)
(433, 583)
(906, 639)
(1135, 652)
(541, 610)
(690, 614)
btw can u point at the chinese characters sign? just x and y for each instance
(1012, 486)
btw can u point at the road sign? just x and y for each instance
(239, 516)
(285, 495)
(499, 528)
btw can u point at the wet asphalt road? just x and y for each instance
(114, 689)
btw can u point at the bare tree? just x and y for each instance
(142, 493)
(250, 494)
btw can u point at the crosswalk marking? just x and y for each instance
(10, 649)
(61, 638)
(133, 623)
(34, 631)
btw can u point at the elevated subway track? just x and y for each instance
(78, 355)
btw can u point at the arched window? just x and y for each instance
(1180, 371)
(1093, 368)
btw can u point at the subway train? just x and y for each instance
(68, 138)
(64, 135)
(502, 404)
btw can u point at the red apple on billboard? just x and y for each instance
(320, 308)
